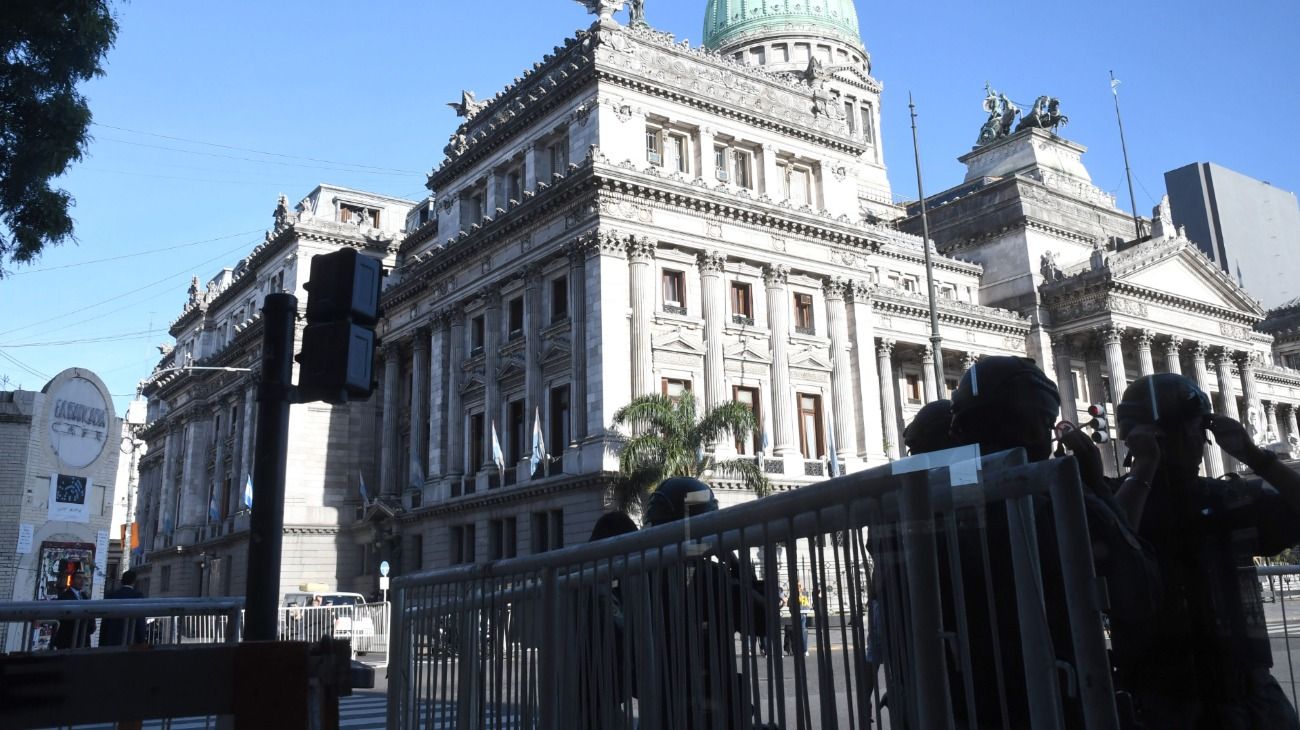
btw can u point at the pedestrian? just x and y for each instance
(606, 678)
(931, 429)
(1004, 403)
(1202, 660)
(74, 634)
(113, 630)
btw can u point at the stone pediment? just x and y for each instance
(854, 75)
(809, 359)
(557, 350)
(513, 366)
(1177, 267)
(751, 350)
(677, 341)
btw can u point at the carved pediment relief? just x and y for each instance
(473, 381)
(678, 341)
(750, 350)
(1189, 275)
(557, 350)
(512, 367)
(809, 358)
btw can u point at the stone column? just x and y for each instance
(640, 256)
(714, 303)
(195, 504)
(929, 389)
(1144, 339)
(773, 185)
(419, 411)
(436, 422)
(578, 352)
(1112, 338)
(236, 457)
(1227, 395)
(1213, 457)
(888, 411)
(219, 460)
(1270, 420)
(868, 395)
(492, 197)
(706, 170)
(533, 363)
(1253, 418)
(1173, 362)
(778, 321)
(388, 456)
(169, 487)
(455, 417)
(846, 435)
(532, 160)
(1292, 428)
(491, 386)
(1061, 354)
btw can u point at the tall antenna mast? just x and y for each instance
(1128, 173)
(936, 341)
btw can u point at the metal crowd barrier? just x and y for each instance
(1281, 586)
(672, 627)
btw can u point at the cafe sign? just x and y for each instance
(79, 422)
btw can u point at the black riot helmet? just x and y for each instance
(930, 430)
(1005, 402)
(1163, 399)
(678, 497)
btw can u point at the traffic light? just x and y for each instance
(338, 344)
(67, 569)
(1100, 423)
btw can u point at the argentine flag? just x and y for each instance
(830, 448)
(248, 492)
(539, 446)
(365, 494)
(214, 514)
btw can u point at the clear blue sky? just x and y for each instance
(362, 88)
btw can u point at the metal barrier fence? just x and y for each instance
(1281, 586)
(671, 627)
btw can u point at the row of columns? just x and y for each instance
(1203, 356)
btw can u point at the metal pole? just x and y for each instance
(936, 341)
(132, 484)
(1132, 200)
(266, 529)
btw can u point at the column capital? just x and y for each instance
(861, 291)
(1269, 406)
(1062, 346)
(581, 248)
(1248, 360)
(1224, 357)
(885, 348)
(420, 341)
(640, 249)
(834, 288)
(491, 296)
(1144, 338)
(710, 262)
(1201, 350)
(968, 360)
(927, 355)
(609, 243)
(1173, 345)
(1111, 334)
(775, 275)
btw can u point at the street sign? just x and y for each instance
(383, 583)
(383, 568)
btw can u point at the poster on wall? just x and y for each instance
(25, 534)
(47, 581)
(69, 497)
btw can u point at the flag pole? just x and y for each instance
(1128, 173)
(936, 340)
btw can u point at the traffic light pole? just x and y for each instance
(266, 533)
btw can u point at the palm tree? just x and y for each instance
(668, 440)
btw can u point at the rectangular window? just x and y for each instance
(780, 53)
(744, 169)
(679, 161)
(654, 146)
(913, 388)
(557, 529)
(851, 115)
(559, 299)
(515, 318)
(803, 314)
(541, 537)
(868, 123)
(799, 185)
(517, 430)
(910, 284)
(477, 432)
(417, 551)
(720, 163)
(477, 329)
(674, 285)
(810, 426)
(515, 185)
(757, 56)
(165, 578)
(502, 536)
(559, 156)
(559, 430)
(463, 541)
(675, 387)
(742, 303)
(356, 214)
(749, 396)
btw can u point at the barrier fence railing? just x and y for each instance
(672, 627)
(1281, 585)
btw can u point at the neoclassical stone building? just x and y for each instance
(634, 215)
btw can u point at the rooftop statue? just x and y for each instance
(1046, 114)
(468, 106)
(636, 13)
(604, 8)
(1002, 115)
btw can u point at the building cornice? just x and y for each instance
(508, 495)
(970, 316)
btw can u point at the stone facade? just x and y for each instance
(58, 465)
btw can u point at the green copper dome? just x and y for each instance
(726, 20)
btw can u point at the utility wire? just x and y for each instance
(86, 340)
(137, 253)
(350, 169)
(24, 366)
(83, 308)
(255, 151)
